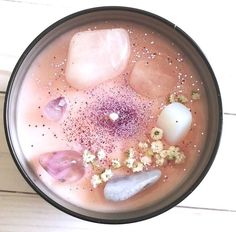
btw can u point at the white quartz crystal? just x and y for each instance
(175, 121)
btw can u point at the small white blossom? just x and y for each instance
(163, 154)
(146, 160)
(156, 133)
(182, 99)
(137, 167)
(115, 163)
(157, 146)
(172, 152)
(101, 154)
(88, 157)
(171, 98)
(106, 175)
(129, 162)
(143, 145)
(160, 161)
(180, 158)
(177, 98)
(96, 180)
(195, 95)
(130, 153)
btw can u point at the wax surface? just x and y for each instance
(113, 115)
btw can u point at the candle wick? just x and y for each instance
(113, 116)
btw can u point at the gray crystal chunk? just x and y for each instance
(122, 188)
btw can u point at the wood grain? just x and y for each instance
(4, 77)
(27, 213)
(3, 144)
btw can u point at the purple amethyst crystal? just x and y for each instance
(55, 109)
(64, 166)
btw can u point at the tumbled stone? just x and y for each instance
(152, 79)
(97, 56)
(122, 188)
(64, 166)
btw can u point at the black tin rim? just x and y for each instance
(42, 194)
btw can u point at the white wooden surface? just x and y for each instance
(212, 206)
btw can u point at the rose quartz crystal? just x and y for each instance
(96, 56)
(152, 79)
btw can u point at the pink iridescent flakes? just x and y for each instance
(126, 123)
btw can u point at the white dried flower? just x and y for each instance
(172, 152)
(115, 163)
(96, 180)
(129, 162)
(157, 146)
(130, 153)
(171, 98)
(182, 99)
(164, 153)
(88, 157)
(180, 158)
(195, 95)
(146, 160)
(159, 160)
(137, 167)
(101, 154)
(143, 145)
(156, 133)
(177, 98)
(106, 175)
